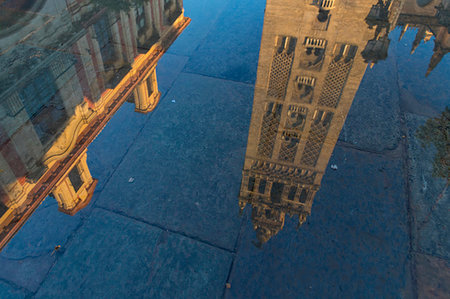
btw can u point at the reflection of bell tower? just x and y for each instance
(310, 67)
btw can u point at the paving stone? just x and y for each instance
(354, 245)
(111, 145)
(431, 229)
(188, 269)
(117, 257)
(109, 148)
(433, 275)
(167, 70)
(187, 164)
(27, 258)
(373, 120)
(9, 292)
(231, 49)
(203, 14)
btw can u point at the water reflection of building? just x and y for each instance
(431, 18)
(59, 87)
(310, 67)
(312, 59)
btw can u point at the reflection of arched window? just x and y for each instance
(292, 191)
(75, 178)
(303, 196)
(276, 192)
(262, 186)
(251, 184)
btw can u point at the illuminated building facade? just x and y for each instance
(64, 82)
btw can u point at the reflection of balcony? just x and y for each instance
(326, 4)
(304, 87)
(314, 53)
(296, 117)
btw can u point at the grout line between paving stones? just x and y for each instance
(392, 153)
(409, 210)
(437, 256)
(216, 77)
(123, 214)
(236, 244)
(16, 286)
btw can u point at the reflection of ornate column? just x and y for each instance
(146, 94)
(74, 191)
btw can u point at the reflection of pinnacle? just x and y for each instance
(403, 32)
(419, 37)
(435, 58)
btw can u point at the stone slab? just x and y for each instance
(354, 245)
(9, 292)
(203, 14)
(184, 171)
(433, 276)
(373, 120)
(28, 257)
(117, 257)
(167, 70)
(107, 151)
(431, 226)
(231, 49)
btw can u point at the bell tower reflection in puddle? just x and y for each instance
(310, 67)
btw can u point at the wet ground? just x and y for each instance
(379, 226)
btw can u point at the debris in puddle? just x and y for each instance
(173, 101)
(57, 247)
(130, 180)
(334, 166)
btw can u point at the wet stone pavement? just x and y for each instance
(174, 229)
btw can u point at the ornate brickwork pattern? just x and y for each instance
(268, 135)
(283, 172)
(288, 150)
(279, 74)
(314, 144)
(334, 83)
